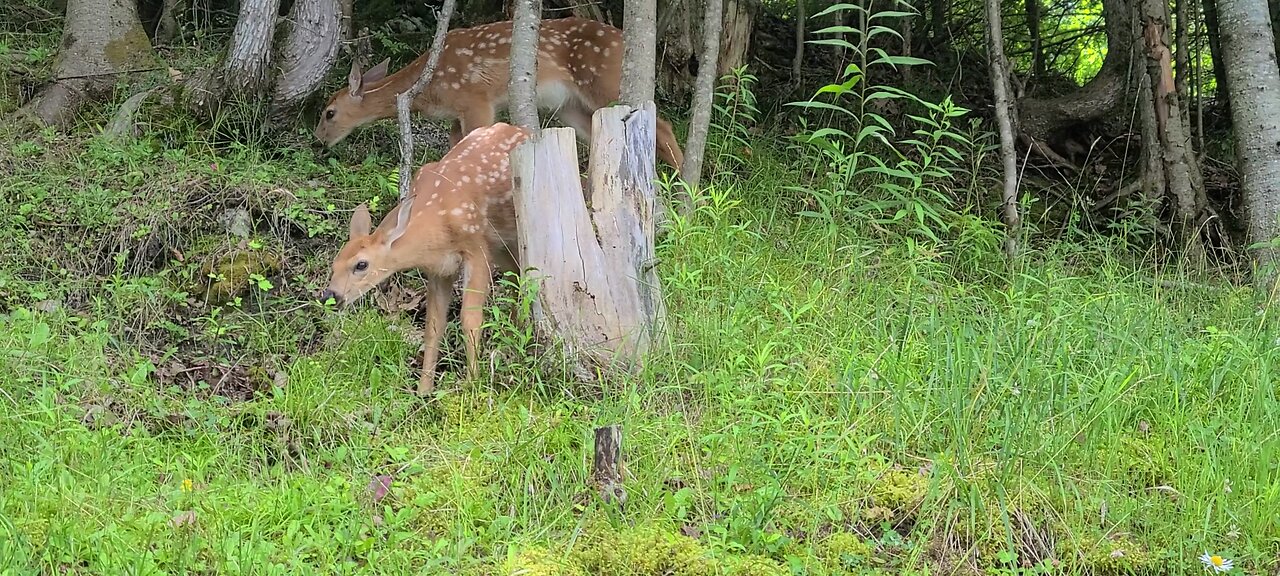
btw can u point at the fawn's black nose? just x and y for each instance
(327, 294)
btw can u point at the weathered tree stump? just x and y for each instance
(598, 294)
(607, 467)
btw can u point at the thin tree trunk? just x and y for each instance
(348, 21)
(402, 111)
(309, 51)
(1037, 50)
(1182, 178)
(1250, 54)
(524, 64)
(167, 26)
(1182, 48)
(102, 40)
(798, 59)
(700, 118)
(639, 53)
(1000, 87)
(1215, 53)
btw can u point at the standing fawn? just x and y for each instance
(579, 72)
(460, 220)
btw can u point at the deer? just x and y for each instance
(579, 71)
(457, 220)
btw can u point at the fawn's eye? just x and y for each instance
(328, 114)
(362, 265)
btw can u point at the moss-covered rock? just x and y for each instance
(899, 490)
(227, 277)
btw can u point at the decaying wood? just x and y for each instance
(607, 467)
(599, 296)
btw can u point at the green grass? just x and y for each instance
(826, 403)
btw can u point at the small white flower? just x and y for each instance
(1215, 563)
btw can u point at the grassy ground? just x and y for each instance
(828, 403)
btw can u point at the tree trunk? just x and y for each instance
(248, 67)
(167, 27)
(1182, 69)
(679, 31)
(700, 118)
(1037, 51)
(1182, 178)
(101, 40)
(314, 34)
(798, 59)
(348, 21)
(1101, 95)
(1000, 88)
(639, 53)
(1223, 95)
(524, 64)
(735, 40)
(1253, 82)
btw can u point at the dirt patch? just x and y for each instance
(204, 377)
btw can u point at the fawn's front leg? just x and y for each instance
(474, 295)
(439, 292)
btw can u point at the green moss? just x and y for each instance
(754, 565)
(1118, 554)
(899, 490)
(648, 550)
(227, 277)
(129, 51)
(541, 562)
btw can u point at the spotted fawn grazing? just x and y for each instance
(458, 219)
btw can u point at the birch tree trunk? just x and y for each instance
(1000, 88)
(101, 41)
(640, 52)
(522, 86)
(700, 118)
(1254, 83)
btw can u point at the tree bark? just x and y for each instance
(1182, 69)
(1037, 50)
(1223, 94)
(798, 59)
(348, 21)
(314, 34)
(101, 40)
(1000, 88)
(1250, 54)
(639, 54)
(735, 39)
(700, 118)
(1182, 178)
(247, 71)
(522, 87)
(167, 25)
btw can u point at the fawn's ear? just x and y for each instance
(361, 223)
(377, 72)
(355, 81)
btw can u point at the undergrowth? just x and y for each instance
(838, 393)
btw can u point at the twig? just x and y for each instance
(100, 74)
(402, 111)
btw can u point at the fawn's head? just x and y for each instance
(363, 263)
(346, 109)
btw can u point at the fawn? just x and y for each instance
(458, 218)
(579, 71)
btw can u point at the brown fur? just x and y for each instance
(462, 222)
(579, 72)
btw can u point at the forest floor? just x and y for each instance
(831, 401)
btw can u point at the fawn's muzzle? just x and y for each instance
(327, 294)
